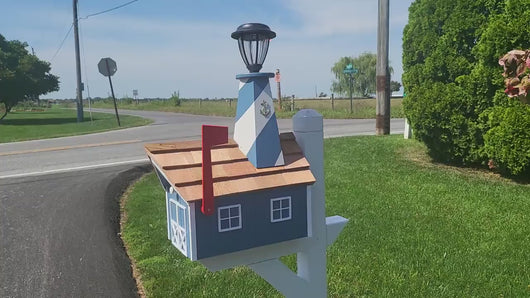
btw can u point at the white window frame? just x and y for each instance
(290, 208)
(230, 228)
(178, 230)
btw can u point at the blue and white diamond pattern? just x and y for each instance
(256, 128)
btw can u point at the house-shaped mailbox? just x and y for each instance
(251, 207)
(250, 200)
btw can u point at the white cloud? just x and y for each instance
(339, 17)
(159, 55)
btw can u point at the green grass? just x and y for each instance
(362, 108)
(55, 122)
(416, 229)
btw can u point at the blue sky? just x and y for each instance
(162, 46)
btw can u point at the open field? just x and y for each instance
(362, 108)
(55, 122)
(416, 229)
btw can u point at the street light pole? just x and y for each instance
(382, 122)
(78, 67)
(351, 93)
(350, 70)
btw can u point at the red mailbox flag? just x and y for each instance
(211, 136)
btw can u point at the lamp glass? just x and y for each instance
(253, 50)
(253, 40)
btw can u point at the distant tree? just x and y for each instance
(175, 98)
(395, 86)
(22, 76)
(364, 81)
(322, 94)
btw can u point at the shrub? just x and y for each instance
(438, 46)
(175, 99)
(451, 52)
(287, 104)
(126, 101)
(507, 143)
(25, 105)
(437, 112)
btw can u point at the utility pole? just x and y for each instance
(382, 122)
(78, 67)
(38, 96)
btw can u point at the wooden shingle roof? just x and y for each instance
(181, 162)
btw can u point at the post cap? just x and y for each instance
(308, 120)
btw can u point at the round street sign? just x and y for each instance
(107, 67)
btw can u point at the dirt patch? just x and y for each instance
(418, 155)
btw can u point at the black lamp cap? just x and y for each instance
(251, 29)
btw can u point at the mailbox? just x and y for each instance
(254, 198)
(252, 207)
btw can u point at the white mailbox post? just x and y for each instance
(310, 280)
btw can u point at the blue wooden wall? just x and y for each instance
(257, 229)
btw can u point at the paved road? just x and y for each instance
(126, 146)
(59, 235)
(59, 210)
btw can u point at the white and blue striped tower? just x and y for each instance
(256, 128)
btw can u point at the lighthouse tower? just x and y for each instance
(256, 128)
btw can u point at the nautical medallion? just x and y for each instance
(265, 109)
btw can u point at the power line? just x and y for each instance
(62, 42)
(86, 17)
(108, 10)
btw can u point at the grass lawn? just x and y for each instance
(55, 122)
(362, 108)
(416, 229)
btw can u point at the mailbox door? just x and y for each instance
(179, 226)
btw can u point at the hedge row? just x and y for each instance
(454, 83)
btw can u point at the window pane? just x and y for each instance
(181, 217)
(276, 204)
(224, 213)
(234, 211)
(173, 210)
(181, 220)
(225, 224)
(285, 203)
(234, 222)
(285, 213)
(276, 214)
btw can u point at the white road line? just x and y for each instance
(73, 169)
